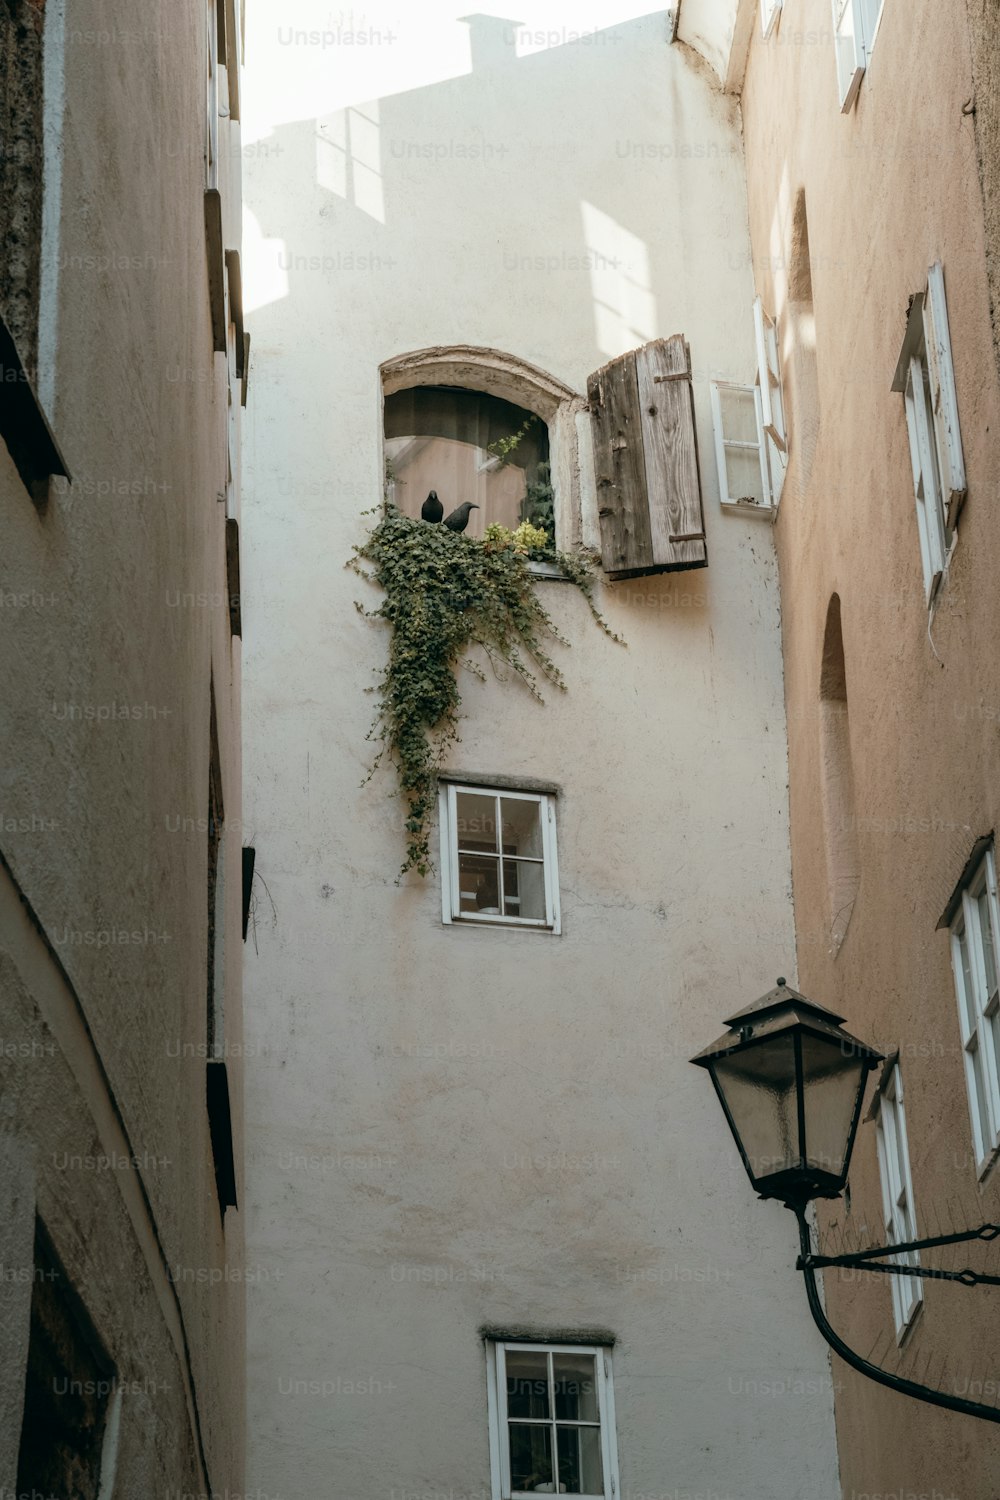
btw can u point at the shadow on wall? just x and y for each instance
(372, 180)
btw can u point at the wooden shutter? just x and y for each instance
(646, 461)
(944, 395)
(849, 45)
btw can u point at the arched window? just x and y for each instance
(468, 445)
(843, 859)
(486, 427)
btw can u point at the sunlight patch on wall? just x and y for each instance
(624, 305)
(349, 157)
(264, 279)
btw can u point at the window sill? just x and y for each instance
(747, 508)
(547, 570)
(501, 924)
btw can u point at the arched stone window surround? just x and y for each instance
(563, 410)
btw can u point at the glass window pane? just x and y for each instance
(531, 1458)
(739, 415)
(575, 1385)
(759, 1088)
(979, 1089)
(743, 477)
(479, 884)
(968, 993)
(524, 890)
(986, 931)
(580, 1469)
(522, 827)
(476, 820)
(527, 1383)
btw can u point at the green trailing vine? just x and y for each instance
(446, 593)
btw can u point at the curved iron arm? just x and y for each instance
(874, 1372)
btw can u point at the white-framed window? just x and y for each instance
(768, 15)
(498, 857)
(552, 1420)
(855, 27)
(925, 376)
(741, 447)
(772, 403)
(975, 934)
(897, 1196)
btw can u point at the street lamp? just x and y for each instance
(791, 1083)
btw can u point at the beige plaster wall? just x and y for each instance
(114, 623)
(454, 1127)
(889, 188)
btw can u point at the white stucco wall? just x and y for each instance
(450, 1128)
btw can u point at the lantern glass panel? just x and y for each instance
(831, 1078)
(758, 1085)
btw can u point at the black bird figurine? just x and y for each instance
(459, 519)
(432, 509)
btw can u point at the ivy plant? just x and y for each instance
(446, 593)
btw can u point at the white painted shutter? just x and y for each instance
(769, 376)
(849, 46)
(768, 15)
(944, 395)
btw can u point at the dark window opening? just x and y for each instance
(468, 447)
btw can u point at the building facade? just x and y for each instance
(122, 1285)
(508, 1245)
(869, 186)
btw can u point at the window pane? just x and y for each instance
(986, 1132)
(522, 827)
(580, 1468)
(968, 993)
(739, 415)
(476, 821)
(479, 884)
(743, 477)
(575, 1385)
(530, 1458)
(986, 931)
(527, 1383)
(524, 890)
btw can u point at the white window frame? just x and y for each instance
(978, 1007)
(855, 27)
(724, 443)
(898, 1217)
(451, 906)
(772, 401)
(496, 1385)
(768, 15)
(925, 376)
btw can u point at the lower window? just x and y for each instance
(498, 857)
(551, 1420)
(897, 1197)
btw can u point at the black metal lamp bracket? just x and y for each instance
(869, 1260)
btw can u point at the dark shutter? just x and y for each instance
(646, 461)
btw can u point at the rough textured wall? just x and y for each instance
(984, 31)
(115, 624)
(451, 1128)
(889, 188)
(21, 26)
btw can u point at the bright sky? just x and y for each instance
(350, 54)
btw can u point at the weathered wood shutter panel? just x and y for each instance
(646, 458)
